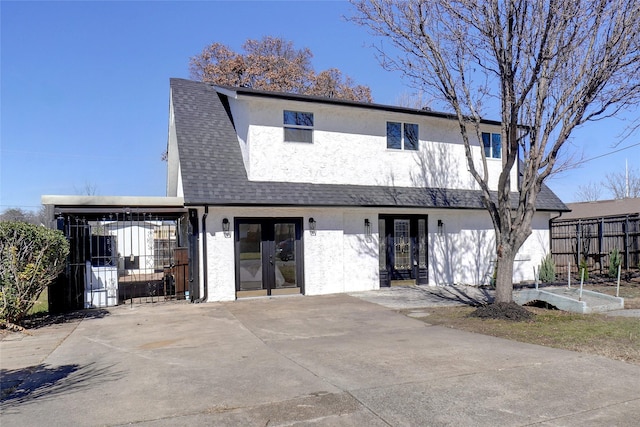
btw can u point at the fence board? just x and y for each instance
(593, 239)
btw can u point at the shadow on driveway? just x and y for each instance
(420, 296)
(46, 382)
(38, 321)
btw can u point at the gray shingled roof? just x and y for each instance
(213, 172)
(603, 208)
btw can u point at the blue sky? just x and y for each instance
(85, 88)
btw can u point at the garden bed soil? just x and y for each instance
(503, 311)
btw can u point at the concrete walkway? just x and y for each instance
(571, 299)
(300, 361)
(410, 297)
(407, 297)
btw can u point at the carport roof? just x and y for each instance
(213, 171)
(97, 205)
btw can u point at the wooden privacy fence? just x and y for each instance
(593, 239)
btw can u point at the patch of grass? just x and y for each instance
(41, 305)
(288, 273)
(250, 255)
(612, 337)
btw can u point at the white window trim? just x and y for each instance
(491, 158)
(402, 137)
(286, 126)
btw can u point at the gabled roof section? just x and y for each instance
(213, 172)
(210, 157)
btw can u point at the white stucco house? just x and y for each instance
(273, 193)
(301, 194)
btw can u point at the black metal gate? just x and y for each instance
(127, 256)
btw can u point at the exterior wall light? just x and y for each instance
(440, 228)
(312, 226)
(367, 228)
(226, 225)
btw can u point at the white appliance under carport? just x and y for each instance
(100, 286)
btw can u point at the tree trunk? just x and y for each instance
(504, 275)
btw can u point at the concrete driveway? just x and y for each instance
(331, 360)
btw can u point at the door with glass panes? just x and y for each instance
(403, 250)
(268, 256)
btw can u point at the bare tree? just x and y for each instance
(551, 66)
(88, 189)
(332, 84)
(35, 217)
(618, 184)
(16, 214)
(413, 100)
(589, 192)
(273, 64)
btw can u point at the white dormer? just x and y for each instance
(295, 139)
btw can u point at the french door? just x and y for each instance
(403, 249)
(268, 256)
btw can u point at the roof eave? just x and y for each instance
(234, 93)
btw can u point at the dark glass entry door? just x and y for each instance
(403, 249)
(268, 256)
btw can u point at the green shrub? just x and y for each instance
(547, 270)
(614, 261)
(585, 267)
(494, 276)
(31, 257)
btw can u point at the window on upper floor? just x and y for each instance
(402, 136)
(298, 126)
(492, 145)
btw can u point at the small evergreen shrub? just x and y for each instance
(547, 270)
(494, 276)
(31, 257)
(614, 261)
(583, 266)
